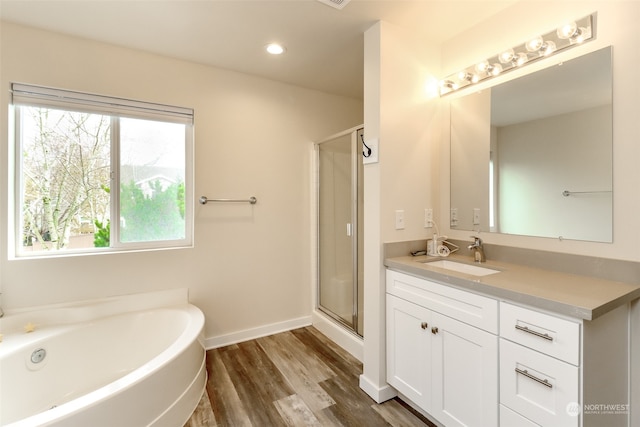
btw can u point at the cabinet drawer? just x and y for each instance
(467, 307)
(538, 386)
(548, 334)
(508, 418)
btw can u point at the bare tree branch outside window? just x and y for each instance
(66, 171)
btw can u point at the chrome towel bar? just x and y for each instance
(204, 200)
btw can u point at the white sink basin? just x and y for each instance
(473, 270)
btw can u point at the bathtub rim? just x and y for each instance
(193, 334)
(85, 310)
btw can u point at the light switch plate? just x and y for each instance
(454, 217)
(399, 220)
(428, 218)
(476, 216)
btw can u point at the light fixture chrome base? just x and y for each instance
(562, 38)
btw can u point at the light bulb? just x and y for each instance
(275, 49)
(567, 31)
(580, 35)
(506, 56)
(463, 76)
(521, 58)
(495, 69)
(534, 44)
(448, 84)
(482, 67)
(548, 48)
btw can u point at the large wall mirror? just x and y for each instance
(533, 156)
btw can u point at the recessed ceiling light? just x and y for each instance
(275, 49)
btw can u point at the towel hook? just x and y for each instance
(367, 152)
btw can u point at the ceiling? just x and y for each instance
(325, 46)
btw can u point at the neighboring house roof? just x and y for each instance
(141, 175)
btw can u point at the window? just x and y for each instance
(100, 174)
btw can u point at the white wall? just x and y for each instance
(251, 265)
(401, 110)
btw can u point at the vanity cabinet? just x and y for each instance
(446, 366)
(564, 372)
(539, 366)
(474, 360)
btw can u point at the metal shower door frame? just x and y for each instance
(353, 229)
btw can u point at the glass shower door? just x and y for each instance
(339, 200)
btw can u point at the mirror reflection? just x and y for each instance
(533, 156)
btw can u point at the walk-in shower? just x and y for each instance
(339, 236)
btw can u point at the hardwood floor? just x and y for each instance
(295, 378)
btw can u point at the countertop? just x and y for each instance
(581, 297)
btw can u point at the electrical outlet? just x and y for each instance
(399, 220)
(476, 216)
(428, 218)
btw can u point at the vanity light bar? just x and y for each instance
(565, 37)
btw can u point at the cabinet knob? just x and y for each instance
(434, 330)
(424, 325)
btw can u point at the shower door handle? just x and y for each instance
(349, 230)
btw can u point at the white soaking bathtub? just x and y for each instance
(126, 361)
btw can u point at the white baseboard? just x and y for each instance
(261, 331)
(379, 394)
(338, 334)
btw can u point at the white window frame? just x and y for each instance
(38, 96)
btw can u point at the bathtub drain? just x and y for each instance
(38, 355)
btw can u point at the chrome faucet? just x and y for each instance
(478, 254)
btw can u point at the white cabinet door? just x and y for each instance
(465, 374)
(408, 350)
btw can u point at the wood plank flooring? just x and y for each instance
(295, 378)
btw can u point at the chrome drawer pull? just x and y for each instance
(533, 377)
(532, 332)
